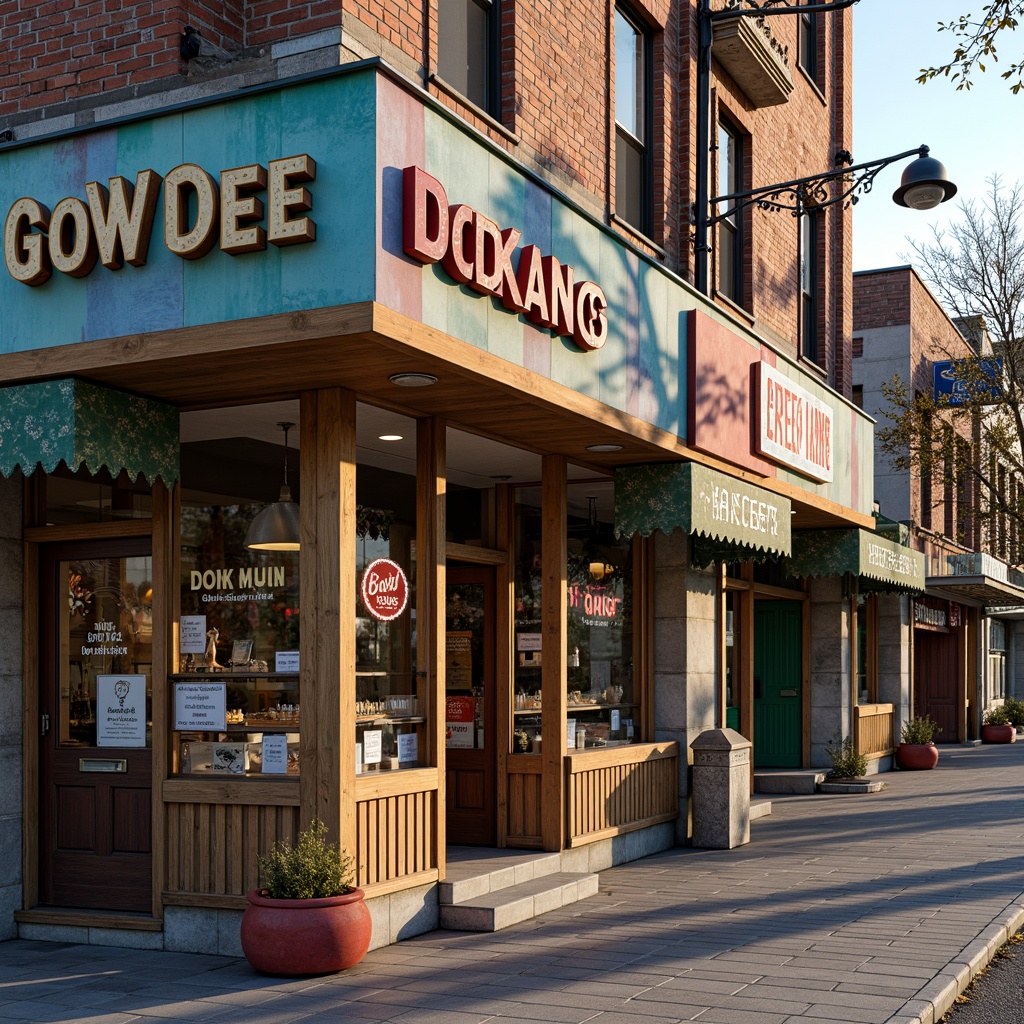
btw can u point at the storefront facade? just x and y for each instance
(543, 489)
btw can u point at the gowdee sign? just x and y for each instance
(795, 428)
(477, 252)
(114, 222)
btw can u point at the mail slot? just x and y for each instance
(789, 693)
(101, 764)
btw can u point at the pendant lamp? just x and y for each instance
(276, 528)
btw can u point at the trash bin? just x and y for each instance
(721, 789)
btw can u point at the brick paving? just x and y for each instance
(864, 909)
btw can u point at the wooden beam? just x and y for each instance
(504, 618)
(554, 666)
(431, 487)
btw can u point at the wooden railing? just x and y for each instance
(396, 831)
(215, 832)
(621, 789)
(873, 729)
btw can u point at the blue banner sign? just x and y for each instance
(950, 389)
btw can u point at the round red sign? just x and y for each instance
(384, 589)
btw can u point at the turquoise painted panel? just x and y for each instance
(334, 120)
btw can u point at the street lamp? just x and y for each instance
(923, 187)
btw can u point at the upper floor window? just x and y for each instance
(809, 284)
(633, 122)
(730, 227)
(807, 47)
(467, 50)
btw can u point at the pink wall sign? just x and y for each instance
(384, 589)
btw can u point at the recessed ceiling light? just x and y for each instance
(413, 380)
(604, 447)
(389, 437)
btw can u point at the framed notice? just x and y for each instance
(408, 748)
(286, 661)
(458, 666)
(275, 754)
(200, 706)
(121, 711)
(372, 746)
(192, 634)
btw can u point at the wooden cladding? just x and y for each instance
(873, 726)
(621, 789)
(524, 801)
(396, 835)
(212, 848)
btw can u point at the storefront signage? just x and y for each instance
(477, 252)
(384, 589)
(274, 749)
(121, 711)
(249, 577)
(892, 559)
(794, 427)
(200, 706)
(958, 381)
(114, 223)
(929, 615)
(599, 605)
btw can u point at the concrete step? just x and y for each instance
(787, 780)
(473, 871)
(513, 904)
(760, 809)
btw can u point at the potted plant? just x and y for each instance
(847, 763)
(998, 727)
(308, 917)
(917, 752)
(1015, 709)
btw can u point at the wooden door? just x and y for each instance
(936, 679)
(471, 775)
(778, 678)
(95, 702)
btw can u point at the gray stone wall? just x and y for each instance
(685, 654)
(11, 572)
(831, 658)
(894, 639)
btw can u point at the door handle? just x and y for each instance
(44, 724)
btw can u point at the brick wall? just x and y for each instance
(556, 115)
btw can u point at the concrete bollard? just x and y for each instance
(721, 789)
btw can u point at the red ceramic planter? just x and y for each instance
(913, 757)
(998, 734)
(294, 937)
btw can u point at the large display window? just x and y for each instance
(236, 709)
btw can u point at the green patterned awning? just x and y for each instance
(862, 553)
(75, 422)
(699, 500)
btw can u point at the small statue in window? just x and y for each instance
(210, 658)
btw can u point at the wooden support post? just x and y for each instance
(431, 486)
(327, 468)
(554, 664)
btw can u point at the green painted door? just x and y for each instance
(777, 684)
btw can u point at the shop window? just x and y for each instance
(633, 122)
(733, 659)
(236, 705)
(997, 659)
(603, 693)
(468, 50)
(866, 647)
(731, 155)
(391, 700)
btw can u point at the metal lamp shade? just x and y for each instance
(276, 528)
(924, 185)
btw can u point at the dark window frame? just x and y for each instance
(731, 178)
(484, 44)
(809, 271)
(807, 47)
(638, 208)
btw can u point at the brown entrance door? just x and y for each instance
(95, 700)
(936, 681)
(471, 794)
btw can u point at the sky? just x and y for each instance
(975, 134)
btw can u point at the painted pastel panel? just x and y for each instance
(332, 119)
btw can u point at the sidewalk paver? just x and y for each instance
(845, 909)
